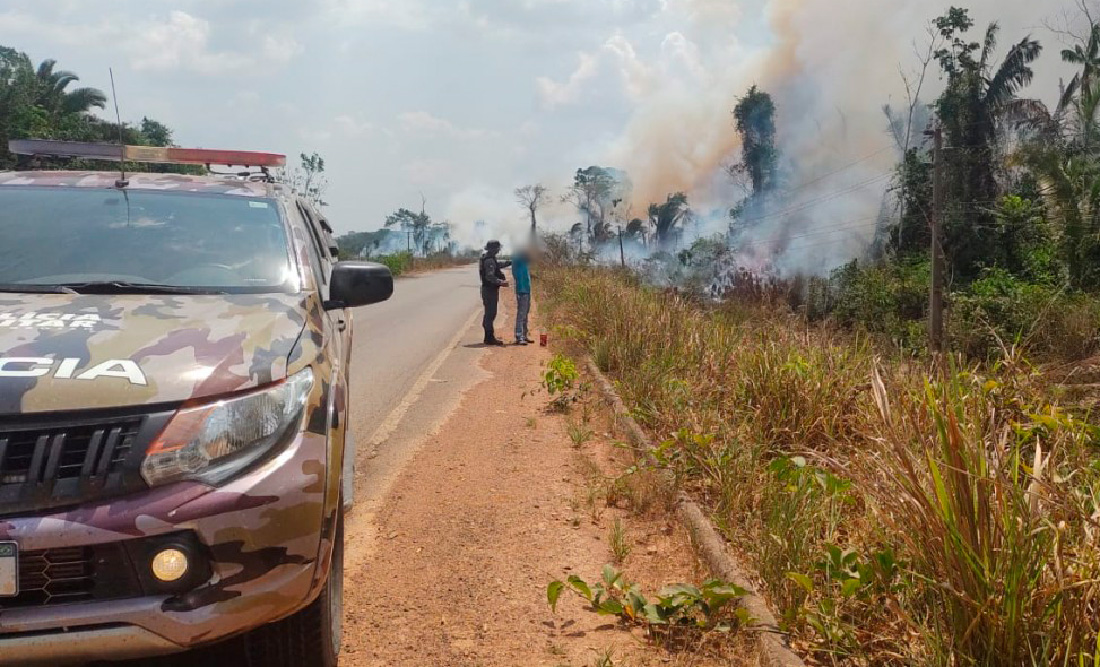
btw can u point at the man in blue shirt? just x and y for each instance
(521, 276)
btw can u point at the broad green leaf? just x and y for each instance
(717, 599)
(610, 607)
(653, 615)
(610, 576)
(681, 590)
(580, 586)
(553, 592)
(728, 590)
(849, 587)
(802, 580)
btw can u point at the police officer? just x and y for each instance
(492, 279)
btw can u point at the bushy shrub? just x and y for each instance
(883, 299)
(397, 263)
(1000, 311)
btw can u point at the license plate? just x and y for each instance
(9, 569)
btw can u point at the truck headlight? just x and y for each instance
(212, 442)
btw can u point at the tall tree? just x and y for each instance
(978, 102)
(1082, 94)
(664, 217)
(635, 230)
(54, 96)
(592, 191)
(409, 222)
(755, 117)
(308, 178)
(1063, 154)
(157, 134)
(532, 197)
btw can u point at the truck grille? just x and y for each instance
(49, 464)
(73, 574)
(53, 576)
(82, 451)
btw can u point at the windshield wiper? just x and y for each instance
(125, 287)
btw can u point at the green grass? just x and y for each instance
(899, 514)
(579, 433)
(618, 541)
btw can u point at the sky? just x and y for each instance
(461, 102)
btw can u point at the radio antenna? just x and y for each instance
(123, 182)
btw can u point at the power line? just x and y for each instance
(819, 200)
(817, 180)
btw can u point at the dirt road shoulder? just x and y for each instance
(488, 511)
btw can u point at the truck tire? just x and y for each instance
(310, 637)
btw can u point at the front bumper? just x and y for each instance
(263, 532)
(120, 642)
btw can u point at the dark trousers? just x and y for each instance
(489, 297)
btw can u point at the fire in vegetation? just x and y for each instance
(814, 152)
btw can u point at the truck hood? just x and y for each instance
(76, 352)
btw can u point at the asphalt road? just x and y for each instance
(397, 340)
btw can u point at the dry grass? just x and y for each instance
(619, 541)
(898, 515)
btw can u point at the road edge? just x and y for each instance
(711, 548)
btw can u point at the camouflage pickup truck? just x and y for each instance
(173, 394)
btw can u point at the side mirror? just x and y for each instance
(356, 284)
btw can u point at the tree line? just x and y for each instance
(44, 101)
(1021, 214)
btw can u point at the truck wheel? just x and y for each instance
(311, 637)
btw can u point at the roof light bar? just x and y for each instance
(146, 154)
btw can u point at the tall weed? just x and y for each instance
(899, 514)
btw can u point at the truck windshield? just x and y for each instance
(135, 240)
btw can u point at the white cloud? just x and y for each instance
(350, 126)
(617, 55)
(181, 42)
(409, 14)
(569, 91)
(178, 41)
(636, 75)
(680, 57)
(424, 124)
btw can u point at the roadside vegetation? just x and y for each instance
(898, 513)
(44, 101)
(407, 241)
(404, 262)
(900, 507)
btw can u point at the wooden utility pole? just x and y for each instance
(622, 253)
(935, 311)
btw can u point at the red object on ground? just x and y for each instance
(543, 339)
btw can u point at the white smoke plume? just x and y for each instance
(830, 66)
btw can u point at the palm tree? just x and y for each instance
(1063, 155)
(53, 94)
(1082, 93)
(666, 216)
(977, 105)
